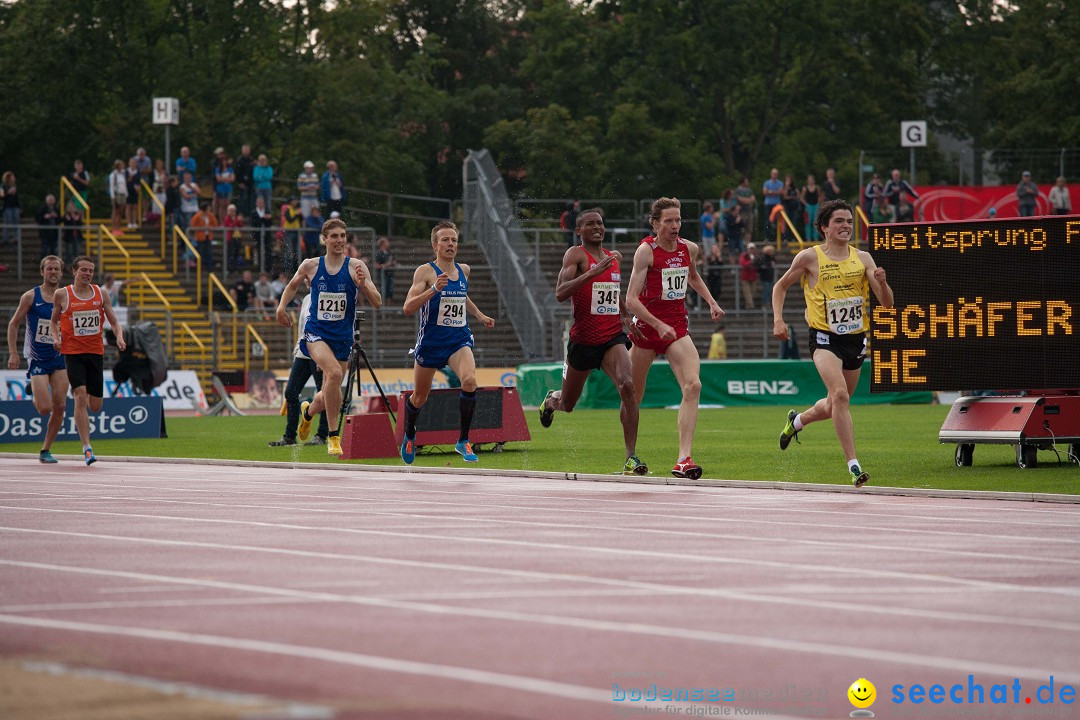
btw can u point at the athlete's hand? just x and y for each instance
(632, 330)
(488, 321)
(440, 282)
(14, 361)
(601, 266)
(879, 274)
(779, 330)
(716, 312)
(665, 331)
(361, 278)
(122, 344)
(283, 318)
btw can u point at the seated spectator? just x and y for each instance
(882, 212)
(243, 291)
(263, 298)
(278, 285)
(905, 211)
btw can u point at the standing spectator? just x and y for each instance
(1027, 193)
(731, 219)
(905, 210)
(172, 201)
(568, 221)
(80, 180)
(243, 291)
(245, 180)
(263, 176)
(307, 184)
(773, 191)
(332, 188)
(132, 176)
(189, 200)
(766, 272)
(201, 223)
(9, 191)
(793, 206)
(714, 270)
(223, 182)
(872, 193)
(185, 163)
(259, 220)
(110, 284)
(810, 194)
(708, 228)
(748, 275)
(118, 193)
(160, 183)
(145, 165)
(895, 186)
(73, 232)
(263, 297)
(384, 263)
(747, 201)
(831, 187)
(291, 220)
(1060, 202)
(234, 237)
(48, 220)
(312, 232)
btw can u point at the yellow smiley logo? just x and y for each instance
(862, 693)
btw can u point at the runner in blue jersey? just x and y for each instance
(47, 372)
(335, 280)
(440, 293)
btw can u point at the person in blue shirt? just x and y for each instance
(335, 281)
(47, 371)
(185, 163)
(439, 293)
(332, 188)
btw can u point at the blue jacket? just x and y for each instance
(324, 187)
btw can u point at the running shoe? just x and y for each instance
(546, 414)
(89, 455)
(317, 440)
(858, 476)
(789, 432)
(408, 450)
(634, 466)
(282, 442)
(686, 469)
(304, 428)
(333, 445)
(464, 449)
(46, 457)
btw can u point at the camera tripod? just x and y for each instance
(353, 379)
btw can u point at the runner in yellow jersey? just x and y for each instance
(835, 279)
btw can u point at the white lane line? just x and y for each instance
(262, 705)
(842, 570)
(532, 575)
(444, 524)
(605, 626)
(137, 604)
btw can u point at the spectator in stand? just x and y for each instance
(731, 217)
(159, 184)
(110, 284)
(831, 188)
(73, 232)
(766, 272)
(234, 237)
(145, 165)
(117, 185)
(263, 297)
(313, 232)
(201, 224)
(291, 220)
(773, 192)
(172, 201)
(708, 228)
(80, 180)
(243, 291)
(793, 206)
(9, 192)
(260, 220)
(332, 188)
(185, 163)
(1060, 201)
(748, 275)
(568, 222)
(223, 182)
(189, 200)
(307, 184)
(714, 270)
(872, 193)
(747, 201)
(352, 248)
(905, 209)
(810, 194)
(48, 220)
(245, 181)
(132, 176)
(263, 176)
(384, 263)
(882, 212)
(278, 284)
(894, 187)
(718, 344)
(1027, 193)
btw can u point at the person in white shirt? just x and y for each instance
(1060, 202)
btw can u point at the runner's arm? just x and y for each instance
(799, 267)
(305, 271)
(471, 308)
(106, 306)
(876, 277)
(643, 258)
(13, 328)
(366, 286)
(422, 289)
(59, 303)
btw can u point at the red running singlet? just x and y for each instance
(667, 282)
(596, 306)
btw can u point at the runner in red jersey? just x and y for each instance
(590, 278)
(663, 269)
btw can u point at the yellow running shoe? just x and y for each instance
(304, 428)
(333, 445)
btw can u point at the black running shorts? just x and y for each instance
(851, 349)
(86, 369)
(591, 357)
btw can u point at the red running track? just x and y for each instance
(413, 595)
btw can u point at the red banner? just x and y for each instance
(947, 203)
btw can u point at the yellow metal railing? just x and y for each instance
(79, 200)
(860, 221)
(104, 232)
(141, 284)
(212, 280)
(250, 330)
(794, 231)
(189, 333)
(178, 235)
(161, 211)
